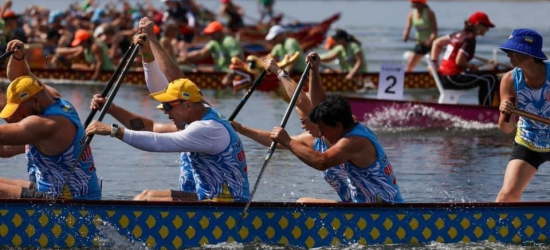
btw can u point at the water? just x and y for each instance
(464, 164)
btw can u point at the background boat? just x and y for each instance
(212, 80)
(170, 225)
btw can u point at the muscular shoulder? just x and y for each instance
(356, 145)
(46, 126)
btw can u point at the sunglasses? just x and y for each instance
(167, 106)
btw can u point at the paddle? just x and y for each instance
(531, 116)
(283, 124)
(252, 64)
(124, 70)
(5, 55)
(508, 116)
(256, 83)
(111, 82)
(488, 61)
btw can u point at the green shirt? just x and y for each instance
(422, 25)
(290, 46)
(106, 63)
(222, 53)
(346, 56)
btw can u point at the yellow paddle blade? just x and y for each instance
(289, 59)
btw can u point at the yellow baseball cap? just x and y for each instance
(180, 89)
(20, 90)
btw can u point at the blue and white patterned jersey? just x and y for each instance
(531, 134)
(374, 184)
(222, 176)
(49, 172)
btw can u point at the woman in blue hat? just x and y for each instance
(525, 88)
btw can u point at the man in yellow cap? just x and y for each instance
(213, 163)
(51, 130)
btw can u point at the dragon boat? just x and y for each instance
(178, 225)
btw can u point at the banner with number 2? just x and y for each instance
(391, 82)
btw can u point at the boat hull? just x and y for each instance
(396, 113)
(181, 225)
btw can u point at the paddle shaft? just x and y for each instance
(5, 55)
(508, 116)
(283, 124)
(120, 78)
(256, 83)
(111, 82)
(531, 116)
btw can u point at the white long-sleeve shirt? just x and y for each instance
(209, 136)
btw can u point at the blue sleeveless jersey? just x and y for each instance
(49, 172)
(374, 184)
(531, 134)
(221, 177)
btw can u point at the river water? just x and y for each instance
(463, 164)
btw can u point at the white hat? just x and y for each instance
(99, 31)
(274, 31)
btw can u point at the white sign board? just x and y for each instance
(391, 81)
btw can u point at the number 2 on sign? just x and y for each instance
(391, 82)
(389, 88)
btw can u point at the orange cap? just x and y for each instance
(80, 36)
(225, 1)
(330, 43)
(419, 1)
(156, 29)
(213, 27)
(9, 15)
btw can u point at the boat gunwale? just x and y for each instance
(442, 205)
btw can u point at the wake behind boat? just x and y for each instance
(403, 113)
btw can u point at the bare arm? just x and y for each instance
(29, 130)
(7, 151)
(507, 93)
(316, 91)
(433, 22)
(132, 120)
(165, 62)
(408, 25)
(330, 56)
(303, 103)
(197, 54)
(358, 64)
(339, 153)
(17, 68)
(264, 137)
(96, 51)
(437, 46)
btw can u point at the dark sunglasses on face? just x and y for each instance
(167, 106)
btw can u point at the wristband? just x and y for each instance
(114, 129)
(18, 59)
(146, 55)
(282, 74)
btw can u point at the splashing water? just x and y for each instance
(419, 117)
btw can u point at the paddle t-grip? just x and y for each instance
(508, 116)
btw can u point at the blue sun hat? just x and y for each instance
(525, 41)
